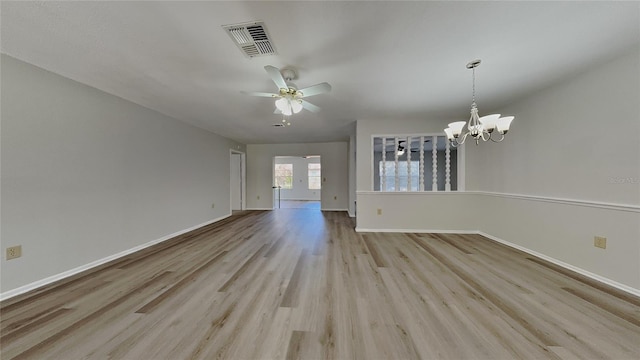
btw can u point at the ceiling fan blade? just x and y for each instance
(309, 106)
(276, 76)
(316, 89)
(262, 94)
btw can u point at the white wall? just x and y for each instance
(570, 140)
(352, 174)
(86, 175)
(334, 163)
(410, 211)
(236, 180)
(563, 175)
(577, 140)
(300, 186)
(416, 211)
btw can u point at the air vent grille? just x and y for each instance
(251, 38)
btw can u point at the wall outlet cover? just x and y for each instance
(13, 252)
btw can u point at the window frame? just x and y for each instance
(319, 176)
(276, 176)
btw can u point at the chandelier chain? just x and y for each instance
(473, 86)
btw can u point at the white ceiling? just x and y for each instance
(384, 59)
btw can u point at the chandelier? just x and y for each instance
(479, 128)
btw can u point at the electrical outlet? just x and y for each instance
(600, 242)
(14, 252)
(379, 211)
(335, 198)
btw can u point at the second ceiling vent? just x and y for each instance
(251, 38)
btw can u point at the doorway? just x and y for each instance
(237, 181)
(297, 182)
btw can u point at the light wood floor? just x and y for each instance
(299, 204)
(302, 284)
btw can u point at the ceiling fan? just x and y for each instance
(290, 99)
(402, 146)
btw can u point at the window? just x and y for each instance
(284, 175)
(314, 176)
(414, 163)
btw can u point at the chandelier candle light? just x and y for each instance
(480, 128)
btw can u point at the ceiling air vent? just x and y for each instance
(251, 38)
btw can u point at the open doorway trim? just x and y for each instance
(243, 179)
(296, 190)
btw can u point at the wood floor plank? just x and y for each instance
(148, 307)
(41, 346)
(290, 297)
(373, 251)
(302, 284)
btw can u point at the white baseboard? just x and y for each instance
(51, 279)
(420, 231)
(565, 265)
(352, 215)
(283, 199)
(323, 209)
(259, 209)
(576, 269)
(54, 278)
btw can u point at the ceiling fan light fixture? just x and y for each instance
(296, 106)
(284, 106)
(290, 100)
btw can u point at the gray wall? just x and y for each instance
(571, 140)
(577, 140)
(86, 175)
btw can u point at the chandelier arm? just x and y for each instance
(497, 141)
(464, 138)
(473, 118)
